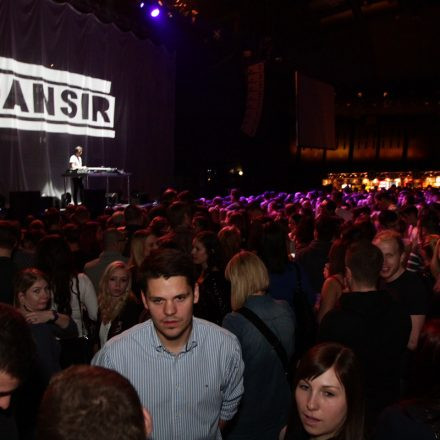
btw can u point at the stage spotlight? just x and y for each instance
(142, 4)
(155, 12)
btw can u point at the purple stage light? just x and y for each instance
(155, 12)
(142, 5)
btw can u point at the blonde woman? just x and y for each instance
(264, 376)
(118, 308)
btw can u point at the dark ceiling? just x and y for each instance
(350, 43)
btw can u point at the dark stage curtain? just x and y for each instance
(67, 79)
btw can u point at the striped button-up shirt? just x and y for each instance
(186, 393)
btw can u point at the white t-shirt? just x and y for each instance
(75, 162)
(103, 332)
(87, 297)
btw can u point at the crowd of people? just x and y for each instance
(270, 317)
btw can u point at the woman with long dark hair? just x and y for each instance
(214, 299)
(286, 277)
(73, 293)
(329, 400)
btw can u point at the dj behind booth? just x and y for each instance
(75, 164)
(78, 173)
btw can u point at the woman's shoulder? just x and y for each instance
(334, 282)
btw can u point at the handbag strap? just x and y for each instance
(298, 278)
(77, 293)
(268, 334)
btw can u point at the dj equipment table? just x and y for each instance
(100, 172)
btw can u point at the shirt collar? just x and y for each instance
(191, 343)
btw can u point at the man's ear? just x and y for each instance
(196, 293)
(144, 299)
(403, 259)
(148, 422)
(20, 297)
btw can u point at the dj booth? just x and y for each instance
(99, 172)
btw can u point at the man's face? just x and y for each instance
(8, 384)
(170, 303)
(392, 266)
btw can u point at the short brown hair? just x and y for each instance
(365, 261)
(166, 263)
(90, 403)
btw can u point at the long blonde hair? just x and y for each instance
(108, 305)
(248, 275)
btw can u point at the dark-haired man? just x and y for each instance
(372, 324)
(188, 372)
(102, 403)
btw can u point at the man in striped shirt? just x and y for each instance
(188, 372)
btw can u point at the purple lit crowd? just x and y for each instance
(321, 308)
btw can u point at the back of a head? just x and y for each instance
(71, 233)
(53, 254)
(17, 349)
(365, 262)
(51, 218)
(248, 275)
(177, 212)
(133, 215)
(159, 225)
(186, 197)
(429, 221)
(117, 219)
(362, 230)
(111, 237)
(8, 234)
(409, 210)
(388, 219)
(211, 243)
(168, 196)
(90, 403)
(230, 242)
(326, 227)
(273, 247)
